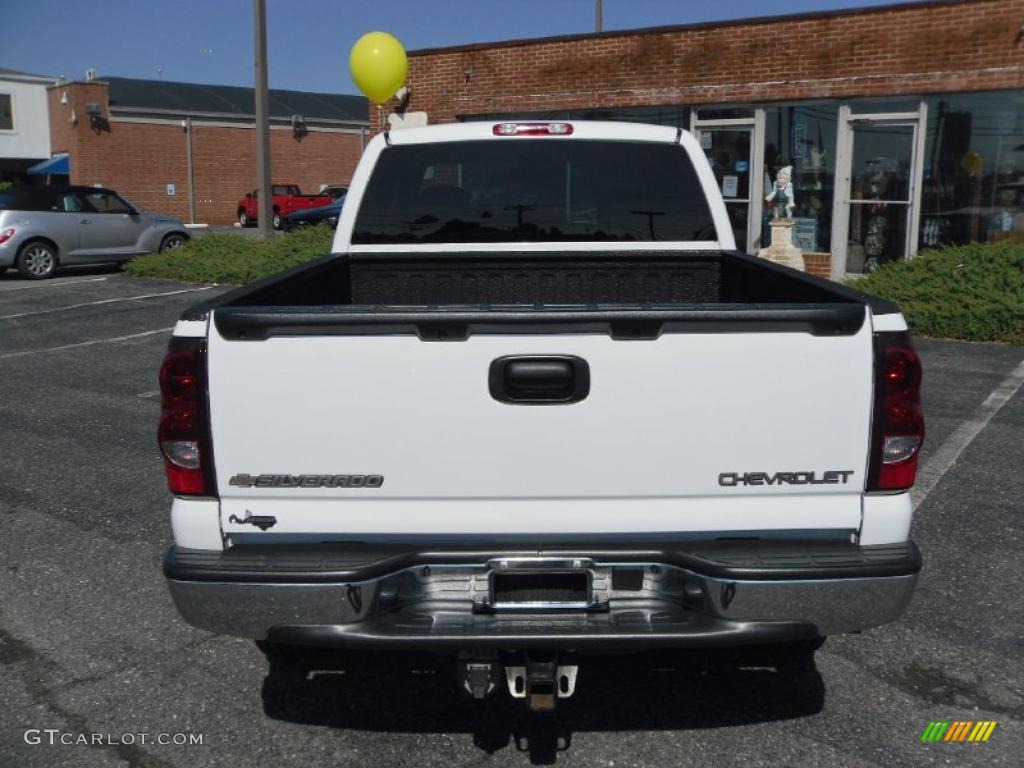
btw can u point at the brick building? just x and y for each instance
(137, 137)
(904, 124)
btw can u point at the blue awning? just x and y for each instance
(58, 164)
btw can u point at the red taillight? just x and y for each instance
(183, 432)
(897, 431)
(6, 235)
(533, 129)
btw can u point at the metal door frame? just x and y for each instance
(755, 204)
(846, 123)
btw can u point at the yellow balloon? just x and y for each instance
(378, 65)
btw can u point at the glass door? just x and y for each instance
(877, 204)
(732, 147)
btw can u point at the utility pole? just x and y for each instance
(599, 16)
(191, 171)
(264, 210)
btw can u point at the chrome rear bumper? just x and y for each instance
(632, 601)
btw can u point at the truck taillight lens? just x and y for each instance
(183, 432)
(897, 430)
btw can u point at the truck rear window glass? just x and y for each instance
(519, 190)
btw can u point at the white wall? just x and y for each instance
(30, 138)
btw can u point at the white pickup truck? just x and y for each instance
(535, 405)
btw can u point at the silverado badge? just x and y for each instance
(306, 481)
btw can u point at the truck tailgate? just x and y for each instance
(687, 432)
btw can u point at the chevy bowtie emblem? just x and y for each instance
(260, 521)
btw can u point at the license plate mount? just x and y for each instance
(523, 589)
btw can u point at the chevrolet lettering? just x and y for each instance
(832, 477)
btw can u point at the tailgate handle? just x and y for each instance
(539, 379)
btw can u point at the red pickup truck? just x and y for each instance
(286, 199)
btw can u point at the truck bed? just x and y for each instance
(443, 296)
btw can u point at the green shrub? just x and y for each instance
(238, 259)
(972, 292)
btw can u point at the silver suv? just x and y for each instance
(43, 227)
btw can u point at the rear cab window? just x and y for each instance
(533, 190)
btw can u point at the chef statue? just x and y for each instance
(781, 196)
(782, 250)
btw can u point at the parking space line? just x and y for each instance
(103, 301)
(114, 340)
(929, 475)
(52, 284)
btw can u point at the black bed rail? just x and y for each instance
(457, 323)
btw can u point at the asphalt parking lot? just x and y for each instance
(90, 642)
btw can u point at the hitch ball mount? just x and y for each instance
(540, 682)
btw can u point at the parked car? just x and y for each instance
(287, 198)
(42, 228)
(335, 190)
(516, 420)
(329, 213)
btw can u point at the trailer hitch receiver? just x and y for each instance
(541, 683)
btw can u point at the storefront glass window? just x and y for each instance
(724, 113)
(803, 136)
(881, 167)
(728, 152)
(884, 106)
(677, 117)
(973, 169)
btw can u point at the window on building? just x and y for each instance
(803, 136)
(884, 106)
(973, 169)
(6, 112)
(724, 113)
(677, 117)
